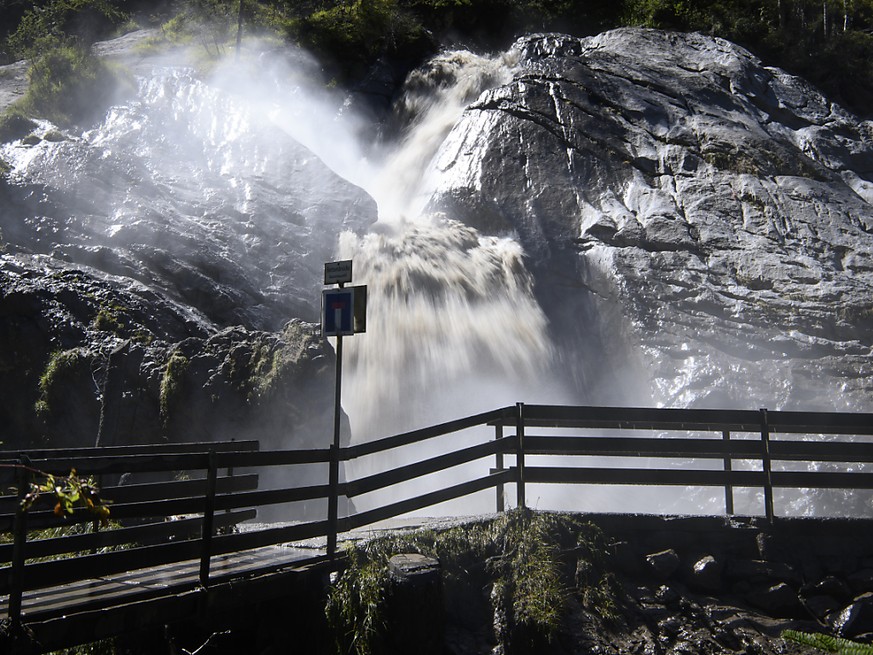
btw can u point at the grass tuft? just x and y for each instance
(521, 556)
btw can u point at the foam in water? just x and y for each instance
(453, 325)
(434, 99)
(453, 328)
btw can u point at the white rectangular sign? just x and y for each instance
(338, 272)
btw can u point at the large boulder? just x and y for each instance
(698, 225)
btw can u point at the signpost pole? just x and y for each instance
(332, 510)
(343, 313)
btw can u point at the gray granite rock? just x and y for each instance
(663, 564)
(777, 600)
(855, 619)
(706, 574)
(699, 225)
(191, 191)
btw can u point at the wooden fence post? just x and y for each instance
(16, 571)
(498, 466)
(230, 475)
(767, 466)
(728, 489)
(519, 457)
(208, 519)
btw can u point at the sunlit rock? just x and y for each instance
(698, 225)
(193, 191)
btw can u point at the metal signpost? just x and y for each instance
(343, 313)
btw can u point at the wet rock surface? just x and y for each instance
(692, 218)
(658, 613)
(185, 191)
(175, 375)
(158, 268)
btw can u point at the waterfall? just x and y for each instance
(189, 174)
(453, 327)
(433, 100)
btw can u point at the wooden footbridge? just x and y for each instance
(184, 540)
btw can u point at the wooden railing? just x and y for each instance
(210, 486)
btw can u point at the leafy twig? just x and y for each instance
(70, 492)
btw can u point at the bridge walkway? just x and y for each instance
(171, 556)
(138, 585)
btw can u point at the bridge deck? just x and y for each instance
(148, 583)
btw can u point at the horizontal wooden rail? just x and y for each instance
(822, 451)
(822, 480)
(150, 532)
(171, 462)
(642, 447)
(133, 449)
(422, 468)
(119, 464)
(273, 458)
(639, 418)
(424, 500)
(271, 497)
(807, 451)
(696, 477)
(708, 420)
(417, 436)
(681, 477)
(156, 491)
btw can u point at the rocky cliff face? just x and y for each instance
(156, 271)
(700, 227)
(95, 359)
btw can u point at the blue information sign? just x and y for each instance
(338, 312)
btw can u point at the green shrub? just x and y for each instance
(82, 21)
(60, 368)
(356, 603)
(68, 84)
(519, 553)
(351, 36)
(214, 24)
(14, 124)
(108, 320)
(172, 384)
(828, 643)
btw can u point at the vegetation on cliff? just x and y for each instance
(829, 42)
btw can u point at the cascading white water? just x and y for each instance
(453, 327)
(433, 100)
